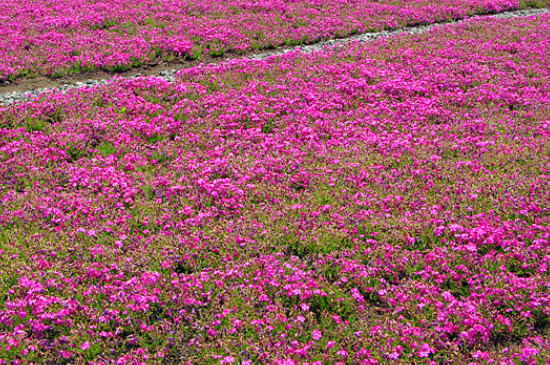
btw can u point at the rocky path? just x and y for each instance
(12, 94)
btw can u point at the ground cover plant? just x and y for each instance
(374, 203)
(56, 38)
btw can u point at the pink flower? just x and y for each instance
(343, 353)
(425, 350)
(85, 345)
(316, 334)
(527, 353)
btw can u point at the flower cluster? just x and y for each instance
(380, 203)
(56, 38)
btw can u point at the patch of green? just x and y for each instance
(78, 67)
(181, 116)
(268, 126)
(216, 52)
(62, 179)
(29, 73)
(106, 148)
(169, 56)
(157, 52)
(126, 28)
(154, 138)
(459, 288)
(8, 78)
(542, 322)
(58, 74)
(160, 157)
(323, 197)
(519, 270)
(49, 117)
(76, 153)
(196, 53)
(211, 86)
(105, 24)
(94, 351)
(295, 248)
(118, 68)
(100, 102)
(327, 243)
(533, 4)
(298, 186)
(35, 125)
(422, 243)
(320, 305)
(149, 191)
(6, 283)
(155, 23)
(485, 249)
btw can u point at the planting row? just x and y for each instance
(369, 204)
(56, 38)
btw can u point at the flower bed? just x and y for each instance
(365, 204)
(56, 38)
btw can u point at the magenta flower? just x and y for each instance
(425, 350)
(316, 335)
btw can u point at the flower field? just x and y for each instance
(56, 38)
(373, 203)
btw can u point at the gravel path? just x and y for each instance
(170, 75)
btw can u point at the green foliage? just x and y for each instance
(160, 157)
(76, 153)
(154, 138)
(217, 52)
(35, 125)
(268, 126)
(196, 53)
(459, 288)
(118, 68)
(533, 4)
(105, 24)
(106, 148)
